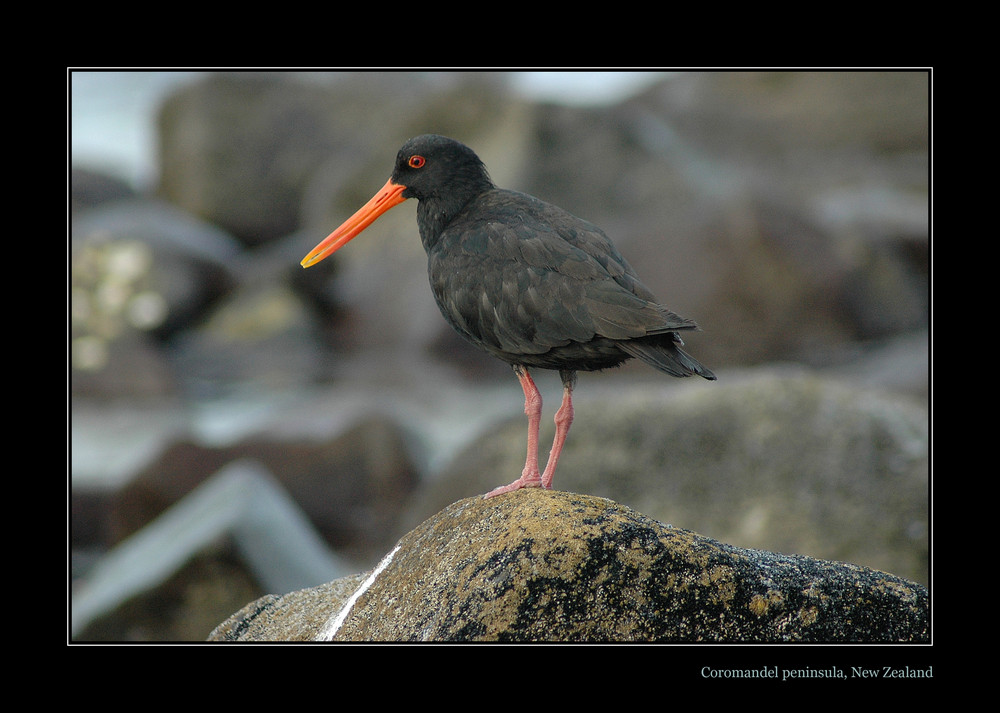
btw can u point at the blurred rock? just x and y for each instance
(261, 334)
(183, 608)
(141, 272)
(352, 486)
(536, 565)
(241, 504)
(127, 364)
(239, 149)
(91, 188)
(784, 461)
(900, 364)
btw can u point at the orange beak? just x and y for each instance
(390, 195)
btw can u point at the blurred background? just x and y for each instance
(242, 427)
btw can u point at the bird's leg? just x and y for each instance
(564, 419)
(530, 477)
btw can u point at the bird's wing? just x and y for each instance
(528, 280)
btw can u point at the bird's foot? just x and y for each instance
(522, 482)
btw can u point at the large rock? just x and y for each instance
(783, 460)
(540, 565)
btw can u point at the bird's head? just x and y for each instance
(435, 170)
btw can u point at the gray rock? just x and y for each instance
(243, 501)
(90, 188)
(550, 566)
(240, 149)
(351, 485)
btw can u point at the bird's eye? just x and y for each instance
(417, 161)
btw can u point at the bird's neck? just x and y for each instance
(436, 212)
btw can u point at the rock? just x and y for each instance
(352, 485)
(240, 148)
(89, 188)
(295, 616)
(242, 505)
(182, 608)
(540, 565)
(783, 460)
(260, 334)
(235, 149)
(187, 262)
(142, 272)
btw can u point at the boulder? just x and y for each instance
(782, 459)
(538, 565)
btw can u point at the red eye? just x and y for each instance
(417, 161)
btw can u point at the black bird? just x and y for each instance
(523, 280)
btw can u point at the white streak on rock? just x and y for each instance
(331, 628)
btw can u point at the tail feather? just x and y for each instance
(667, 357)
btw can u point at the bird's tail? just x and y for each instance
(665, 355)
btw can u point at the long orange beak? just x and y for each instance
(390, 195)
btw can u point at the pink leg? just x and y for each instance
(530, 477)
(533, 408)
(564, 419)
